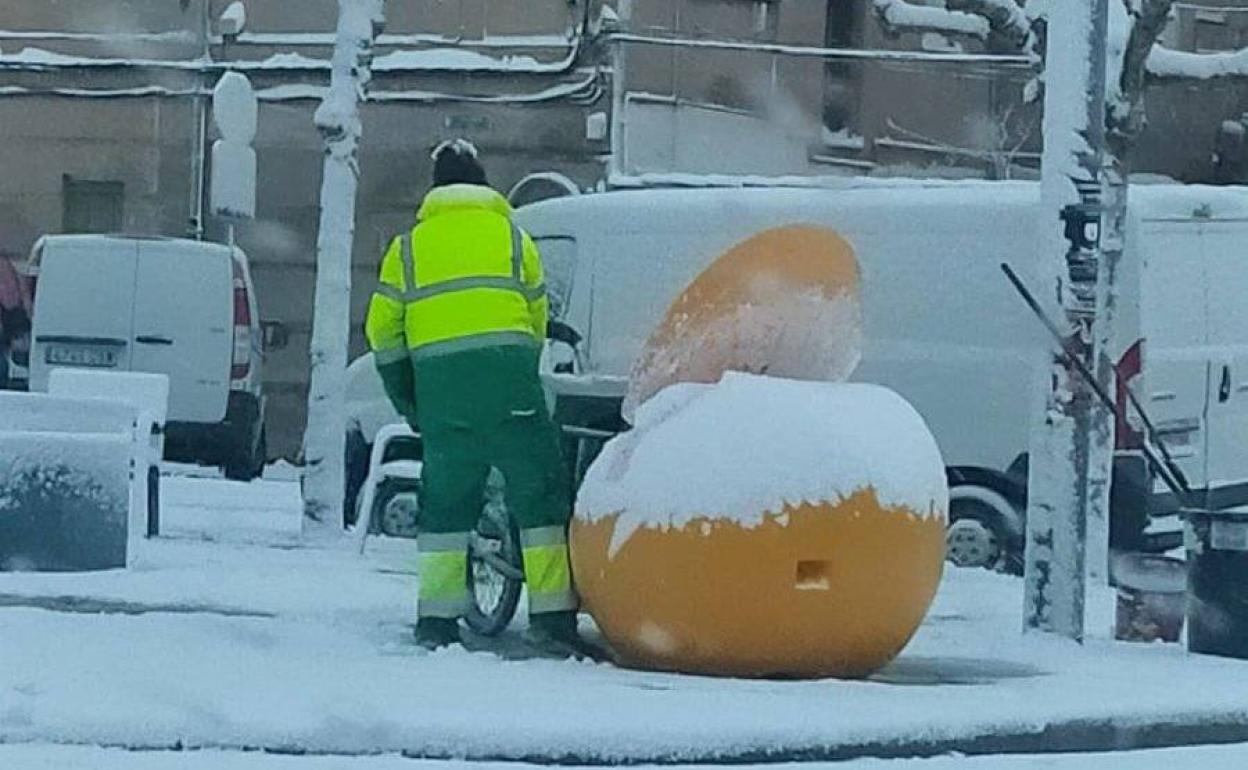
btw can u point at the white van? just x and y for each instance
(182, 308)
(943, 327)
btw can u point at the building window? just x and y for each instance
(842, 77)
(1213, 33)
(90, 206)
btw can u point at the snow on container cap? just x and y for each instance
(751, 445)
(762, 526)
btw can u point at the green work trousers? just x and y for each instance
(479, 409)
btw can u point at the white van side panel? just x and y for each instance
(1224, 246)
(83, 306)
(1175, 327)
(943, 326)
(183, 325)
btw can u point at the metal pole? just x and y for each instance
(1164, 466)
(1070, 462)
(619, 101)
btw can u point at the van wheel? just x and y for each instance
(261, 457)
(247, 463)
(396, 509)
(982, 531)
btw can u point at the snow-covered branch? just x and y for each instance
(1002, 24)
(1125, 111)
(903, 16)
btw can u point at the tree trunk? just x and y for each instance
(1071, 451)
(338, 119)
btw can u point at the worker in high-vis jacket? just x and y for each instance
(456, 327)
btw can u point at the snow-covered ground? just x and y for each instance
(45, 757)
(231, 635)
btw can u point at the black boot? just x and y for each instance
(554, 635)
(436, 633)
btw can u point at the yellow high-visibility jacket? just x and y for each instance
(463, 278)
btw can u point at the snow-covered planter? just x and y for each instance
(763, 526)
(66, 472)
(64, 500)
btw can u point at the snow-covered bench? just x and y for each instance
(68, 497)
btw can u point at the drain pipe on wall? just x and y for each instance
(199, 128)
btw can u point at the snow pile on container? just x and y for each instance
(763, 526)
(784, 302)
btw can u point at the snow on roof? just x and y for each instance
(326, 39)
(101, 93)
(297, 91)
(832, 182)
(1168, 63)
(430, 59)
(630, 206)
(900, 13)
(459, 59)
(173, 36)
(98, 240)
(39, 57)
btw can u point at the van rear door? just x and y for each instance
(183, 319)
(1175, 325)
(1225, 249)
(83, 306)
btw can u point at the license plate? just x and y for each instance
(82, 355)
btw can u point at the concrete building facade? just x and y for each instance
(98, 108)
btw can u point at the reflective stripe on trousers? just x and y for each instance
(547, 570)
(443, 574)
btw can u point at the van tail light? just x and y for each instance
(1126, 435)
(240, 365)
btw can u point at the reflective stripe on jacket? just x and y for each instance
(465, 277)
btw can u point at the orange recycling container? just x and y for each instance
(763, 527)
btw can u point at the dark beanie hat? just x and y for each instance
(455, 162)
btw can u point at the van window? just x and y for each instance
(559, 261)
